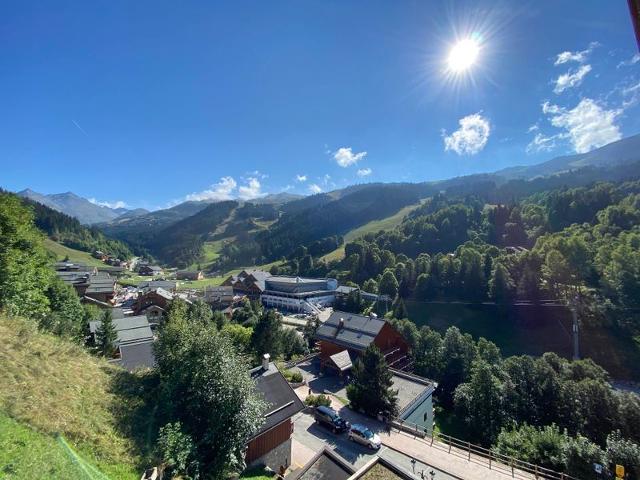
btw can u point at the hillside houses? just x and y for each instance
(89, 284)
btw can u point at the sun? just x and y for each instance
(463, 55)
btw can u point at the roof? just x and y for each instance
(325, 465)
(410, 388)
(166, 284)
(344, 289)
(282, 401)
(155, 268)
(135, 356)
(342, 360)
(381, 468)
(129, 329)
(355, 331)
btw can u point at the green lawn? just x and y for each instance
(372, 227)
(61, 252)
(533, 331)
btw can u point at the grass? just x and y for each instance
(374, 226)
(256, 474)
(51, 387)
(61, 252)
(528, 330)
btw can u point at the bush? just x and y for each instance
(292, 377)
(317, 401)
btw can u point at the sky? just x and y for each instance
(150, 103)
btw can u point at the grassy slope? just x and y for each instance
(49, 386)
(371, 227)
(60, 251)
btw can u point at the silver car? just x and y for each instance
(362, 435)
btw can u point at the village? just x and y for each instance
(301, 438)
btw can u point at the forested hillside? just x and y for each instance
(68, 231)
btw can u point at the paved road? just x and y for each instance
(313, 437)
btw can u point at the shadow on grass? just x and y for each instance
(137, 410)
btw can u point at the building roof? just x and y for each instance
(100, 283)
(342, 360)
(129, 329)
(154, 268)
(137, 355)
(350, 330)
(282, 401)
(325, 465)
(166, 284)
(410, 388)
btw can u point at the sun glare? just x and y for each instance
(463, 55)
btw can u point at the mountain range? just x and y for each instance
(87, 212)
(271, 226)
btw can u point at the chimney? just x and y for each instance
(265, 361)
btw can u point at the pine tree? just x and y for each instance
(371, 388)
(106, 335)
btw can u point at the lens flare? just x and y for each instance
(463, 55)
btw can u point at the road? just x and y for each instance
(310, 438)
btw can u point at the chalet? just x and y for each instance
(99, 286)
(157, 297)
(150, 270)
(354, 333)
(130, 330)
(74, 267)
(219, 296)
(189, 275)
(248, 282)
(270, 446)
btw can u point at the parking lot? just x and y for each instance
(310, 437)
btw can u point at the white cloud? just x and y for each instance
(543, 143)
(250, 190)
(345, 157)
(116, 204)
(301, 178)
(580, 56)
(631, 95)
(588, 125)
(314, 188)
(632, 61)
(364, 172)
(571, 79)
(223, 190)
(326, 179)
(471, 137)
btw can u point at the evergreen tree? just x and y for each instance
(267, 335)
(371, 386)
(199, 311)
(106, 335)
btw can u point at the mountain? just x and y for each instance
(69, 203)
(276, 198)
(622, 152)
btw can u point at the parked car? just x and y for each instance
(362, 435)
(329, 417)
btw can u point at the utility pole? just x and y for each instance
(575, 328)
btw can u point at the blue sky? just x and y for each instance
(148, 103)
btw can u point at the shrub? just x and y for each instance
(317, 400)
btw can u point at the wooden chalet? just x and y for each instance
(189, 275)
(270, 446)
(351, 333)
(248, 282)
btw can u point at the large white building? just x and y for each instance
(298, 294)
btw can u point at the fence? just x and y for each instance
(474, 453)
